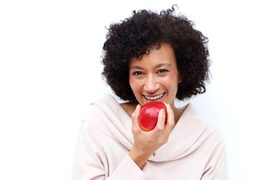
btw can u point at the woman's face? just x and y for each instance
(155, 77)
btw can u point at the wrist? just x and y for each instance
(138, 157)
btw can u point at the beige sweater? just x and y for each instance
(195, 151)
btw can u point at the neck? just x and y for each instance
(177, 112)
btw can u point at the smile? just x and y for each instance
(153, 98)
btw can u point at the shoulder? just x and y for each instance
(103, 104)
(97, 109)
(199, 127)
(105, 100)
(105, 114)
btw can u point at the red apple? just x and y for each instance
(148, 115)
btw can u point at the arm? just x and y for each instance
(216, 167)
(87, 163)
(91, 162)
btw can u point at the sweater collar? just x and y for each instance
(184, 137)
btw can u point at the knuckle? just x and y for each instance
(159, 130)
(171, 124)
(135, 129)
(133, 115)
(163, 141)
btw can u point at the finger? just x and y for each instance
(161, 120)
(135, 115)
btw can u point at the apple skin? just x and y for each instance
(148, 115)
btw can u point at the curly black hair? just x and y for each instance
(134, 36)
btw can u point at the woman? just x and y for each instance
(151, 57)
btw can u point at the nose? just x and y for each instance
(151, 84)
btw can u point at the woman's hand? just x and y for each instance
(147, 142)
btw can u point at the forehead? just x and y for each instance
(163, 54)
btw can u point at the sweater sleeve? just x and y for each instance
(91, 162)
(216, 167)
(127, 170)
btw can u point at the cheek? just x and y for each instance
(171, 81)
(136, 85)
(133, 84)
(173, 77)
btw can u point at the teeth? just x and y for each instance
(154, 98)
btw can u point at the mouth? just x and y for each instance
(154, 98)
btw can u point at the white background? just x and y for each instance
(50, 54)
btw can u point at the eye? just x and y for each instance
(162, 71)
(137, 73)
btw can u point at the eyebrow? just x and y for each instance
(135, 67)
(157, 66)
(163, 64)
